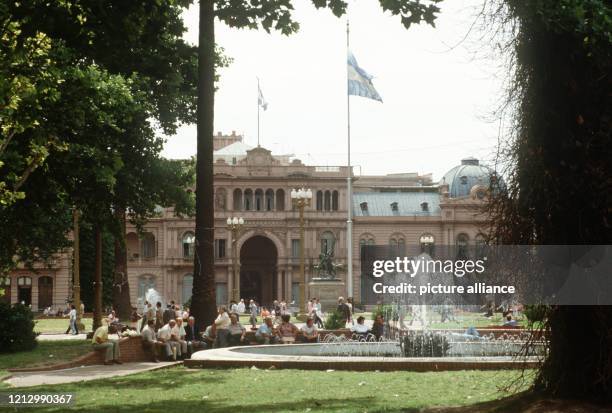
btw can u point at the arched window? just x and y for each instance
(397, 243)
(428, 244)
(145, 283)
(220, 199)
(148, 245)
(187, 288)
(45, 292)
(24, 290)
(327, 202)
(462, 246)
(327, 242)
(334, 200)
(259, 201)
(131, 242)
(248, 200)
(269, 200)
(480, 241)
(280, 200)
(237, 199)
(319, 200)
(188, 244)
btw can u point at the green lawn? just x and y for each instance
(245, 390)
(45, 353)
(57, 325)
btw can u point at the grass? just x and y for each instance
(237, 390)
(57, 325)
(45, 353)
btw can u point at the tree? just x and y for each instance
(268, 15)
(558, 186)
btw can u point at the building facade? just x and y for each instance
(251, 183)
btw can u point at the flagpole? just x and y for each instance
(349, 189)
(258, 89)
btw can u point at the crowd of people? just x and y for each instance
(172, 333)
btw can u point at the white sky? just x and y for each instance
(437, 105)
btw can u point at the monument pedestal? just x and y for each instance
(327, 291)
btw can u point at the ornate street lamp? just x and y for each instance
(301, 199)
(235, 225)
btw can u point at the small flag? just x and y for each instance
(359, 81)
(260, 98)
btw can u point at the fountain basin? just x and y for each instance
(310, 357)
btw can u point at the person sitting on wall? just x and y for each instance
(179, 334)
(510, 322)
(360, 330)
(310, 334)
(164, 335)
(208, 336)
(149, 341)
(378, 329)
(265, 332)
(100, 341)
(236, 331)
(192, 336)
(287, 331)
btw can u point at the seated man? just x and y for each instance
(164, 335)
(360, 330)
(179, 334)
(236, 331)
(265, 333)
(149, 342)
(287, 331)
(309, 332)
(192, 336)
(510, 322)
(209, 336)
(100, 341)
(378, 329)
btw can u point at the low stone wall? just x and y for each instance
(130, 348)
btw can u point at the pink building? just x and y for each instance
(398, 209)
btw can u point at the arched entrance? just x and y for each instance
(258, 257)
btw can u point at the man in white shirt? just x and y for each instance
(164, 335)
(178, 334)
(309, 332)
(360, 330)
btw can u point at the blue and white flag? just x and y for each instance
(260, 98)
(359, 81)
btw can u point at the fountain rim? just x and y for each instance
(240, 357)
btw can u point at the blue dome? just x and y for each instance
(462, 178)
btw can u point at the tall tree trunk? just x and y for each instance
(121, 287)
(97, 315)
(203, 305)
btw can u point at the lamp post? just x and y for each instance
(301, 199)
(235, 225)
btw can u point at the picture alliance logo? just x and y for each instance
(412, 267)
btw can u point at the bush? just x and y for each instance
(17, 327)
(535, 313)
(334, 321)
(425, 344)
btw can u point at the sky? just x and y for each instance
(440, 87)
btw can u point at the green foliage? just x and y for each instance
(334, 321)
(535, 313)
(388, 311)
(425, 344)
(17, 326)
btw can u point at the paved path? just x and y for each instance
(84, 373)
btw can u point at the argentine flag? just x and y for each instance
(359, 81)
